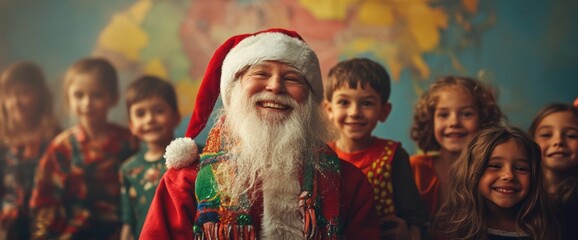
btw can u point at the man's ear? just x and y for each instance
(385, 111)
(328, 109)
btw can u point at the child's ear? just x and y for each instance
(131, 127)
(328, 109)
(385, 111)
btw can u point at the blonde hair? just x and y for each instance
(101, 69)
(31, 75)
(422, 129)
(464, 214)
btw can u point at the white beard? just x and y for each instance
(268, 151)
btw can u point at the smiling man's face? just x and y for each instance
(277, 89)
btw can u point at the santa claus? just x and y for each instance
(265, 172)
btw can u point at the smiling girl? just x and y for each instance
(497, 191)
(451, 111)
(555, 129)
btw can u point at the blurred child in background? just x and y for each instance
(451, 111)
(77, 190)
(153, 114)
(497, 191)
(27, 125)
(357, 98)
(555, 129)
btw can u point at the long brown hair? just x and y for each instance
(31, 75)
(464, 214)
(566, 188)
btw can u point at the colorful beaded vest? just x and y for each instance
(221, 217)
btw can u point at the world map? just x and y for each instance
(176, 39)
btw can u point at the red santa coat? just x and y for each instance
(172, 212)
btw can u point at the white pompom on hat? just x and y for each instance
(231, 57)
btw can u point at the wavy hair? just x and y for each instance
(422, 129)
(464, 214)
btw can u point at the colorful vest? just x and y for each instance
(220, 217)
(375, 162)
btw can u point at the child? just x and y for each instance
(153, 113)
(445, 117)
(27, 125)
(77, 190)
(497, 190)
(555, 129)
(357, 98)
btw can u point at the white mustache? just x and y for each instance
(267, 96)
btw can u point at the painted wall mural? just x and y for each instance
(527, 51)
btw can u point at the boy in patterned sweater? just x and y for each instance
(357, 97)
(153, 114)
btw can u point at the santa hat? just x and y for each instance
(231, 57)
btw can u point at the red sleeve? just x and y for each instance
(172, 211)
(357, 209)
(426, 181)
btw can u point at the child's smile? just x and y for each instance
(356, 111)
(506, 179)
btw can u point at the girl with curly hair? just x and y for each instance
(445, 117)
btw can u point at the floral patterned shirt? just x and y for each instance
(139, 180)
(77, 189)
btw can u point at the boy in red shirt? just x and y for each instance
(357, 95)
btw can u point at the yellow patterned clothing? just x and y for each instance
(386, 165)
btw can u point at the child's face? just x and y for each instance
(557, 135)
(89, 100)
(153, 120)
(356, 111)
(455, 119)
(506, 180)
(21, 103)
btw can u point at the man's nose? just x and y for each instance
(275, 84)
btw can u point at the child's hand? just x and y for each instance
(394, 228)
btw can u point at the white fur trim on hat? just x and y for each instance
(181, 152)
(272, 46)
